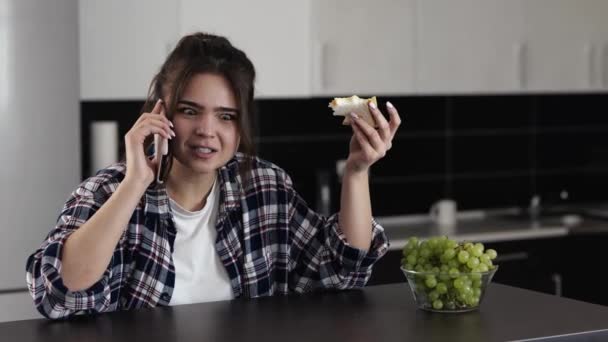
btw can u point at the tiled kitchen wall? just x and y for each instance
(484, 151)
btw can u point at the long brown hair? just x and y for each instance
(206, 53)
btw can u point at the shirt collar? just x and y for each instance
(157, 199)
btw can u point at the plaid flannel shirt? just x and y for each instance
(268, 239)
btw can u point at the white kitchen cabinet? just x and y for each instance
(469, 46)
(363, 47)
(122, 46)
(565, 47)
(275, 34)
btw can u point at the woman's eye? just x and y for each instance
(187, 111)
(227, 116)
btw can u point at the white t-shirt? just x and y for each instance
(200, 275)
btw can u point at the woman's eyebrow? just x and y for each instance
(216, 109)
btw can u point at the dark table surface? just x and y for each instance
(376, 313)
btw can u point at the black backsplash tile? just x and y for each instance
(298, 117)
(493, 192)
(485, 151)
(572, 149)
(418, 113)
(412, 157)
(490, 153)
(491, 112)
(405, 197)
(572, 110)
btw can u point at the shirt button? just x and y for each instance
(165, 297)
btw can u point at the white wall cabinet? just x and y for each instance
(565, 47)
(274, 34)
(122, 46)
(363, 47)
(469, 46)
(342, 47)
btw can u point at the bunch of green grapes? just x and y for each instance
(451, 273)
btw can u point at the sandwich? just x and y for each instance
(343, 106)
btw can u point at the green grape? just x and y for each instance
(491, 253)
(441, 288)
(485, 259)
(458, 283)
(482, 268)
(430, 281)
(473, 262)
(476, 283)
(476, 252)
(411, 259)
(433, 295)
(449, 254)
(450, 305)
(437, 304)
(463, 256)
(453, 272)
(425, 253)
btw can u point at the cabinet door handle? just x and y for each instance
(320, 61)
(588, 52)
(520, 64)
(603, 66)
(516, 256)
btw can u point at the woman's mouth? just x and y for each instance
(203, 152)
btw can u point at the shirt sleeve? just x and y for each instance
(43, 268)
(320, 254)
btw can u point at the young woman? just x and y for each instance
(223, 224)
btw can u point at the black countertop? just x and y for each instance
(376, 313)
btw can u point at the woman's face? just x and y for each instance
(206, 128)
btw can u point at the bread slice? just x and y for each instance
(343, 106)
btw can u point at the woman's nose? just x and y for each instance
(205, 125)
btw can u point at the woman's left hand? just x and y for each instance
(368, 145)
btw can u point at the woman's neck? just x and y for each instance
(188, 189)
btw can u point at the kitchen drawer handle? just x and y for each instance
(517, 256)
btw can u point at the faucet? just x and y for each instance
(323, 192)
(536, 210)
(534, 207)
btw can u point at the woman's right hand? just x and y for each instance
(140, 169)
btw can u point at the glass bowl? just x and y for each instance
(445, 292)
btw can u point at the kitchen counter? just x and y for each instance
(500, 225)
(376, 313)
